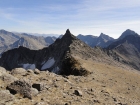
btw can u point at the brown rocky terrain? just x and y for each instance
(105, 85)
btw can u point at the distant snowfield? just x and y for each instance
(48, 64)
(29, 66)
(56, 70)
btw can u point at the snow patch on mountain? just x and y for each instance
(28, 66)
(56, 70)
(48, 64)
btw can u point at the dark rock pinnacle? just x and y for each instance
(68, 31)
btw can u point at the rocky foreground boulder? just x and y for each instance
(6, 96)
(21, 87)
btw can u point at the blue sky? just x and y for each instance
(111, 17)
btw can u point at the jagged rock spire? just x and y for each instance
(68, 36)
(68, 31)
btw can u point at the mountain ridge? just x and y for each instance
(10, 40)
(102, 40)
(60, 57)
(128, 48)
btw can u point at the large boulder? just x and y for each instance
(2, 70)
(18, 71)
(22, 87)
(6, 77)
(38, 86)
(5, 97)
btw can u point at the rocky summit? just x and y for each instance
(87, 76)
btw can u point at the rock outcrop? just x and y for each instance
(20, 87)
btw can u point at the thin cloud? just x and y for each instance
(82, 16)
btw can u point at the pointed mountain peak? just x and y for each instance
(104, 36)
(126, 33)
(68, 31)
(68, 35)
(129, 30)
(3, 31)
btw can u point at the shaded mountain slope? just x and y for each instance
(129, 49)
(88, 39)
(6, 38)
(10, 40)
(104, 40)
(27, 42)
(127, 33)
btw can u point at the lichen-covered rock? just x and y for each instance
(20, 71)
(30, 71)
(7, 78)
(2, 70)
(21, 87)
(34, 91)
(5, 96)
(36, 71)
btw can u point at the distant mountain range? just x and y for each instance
(64, 51)
(125, 49)
(128, 48)
(10, 40)
(102, 41)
